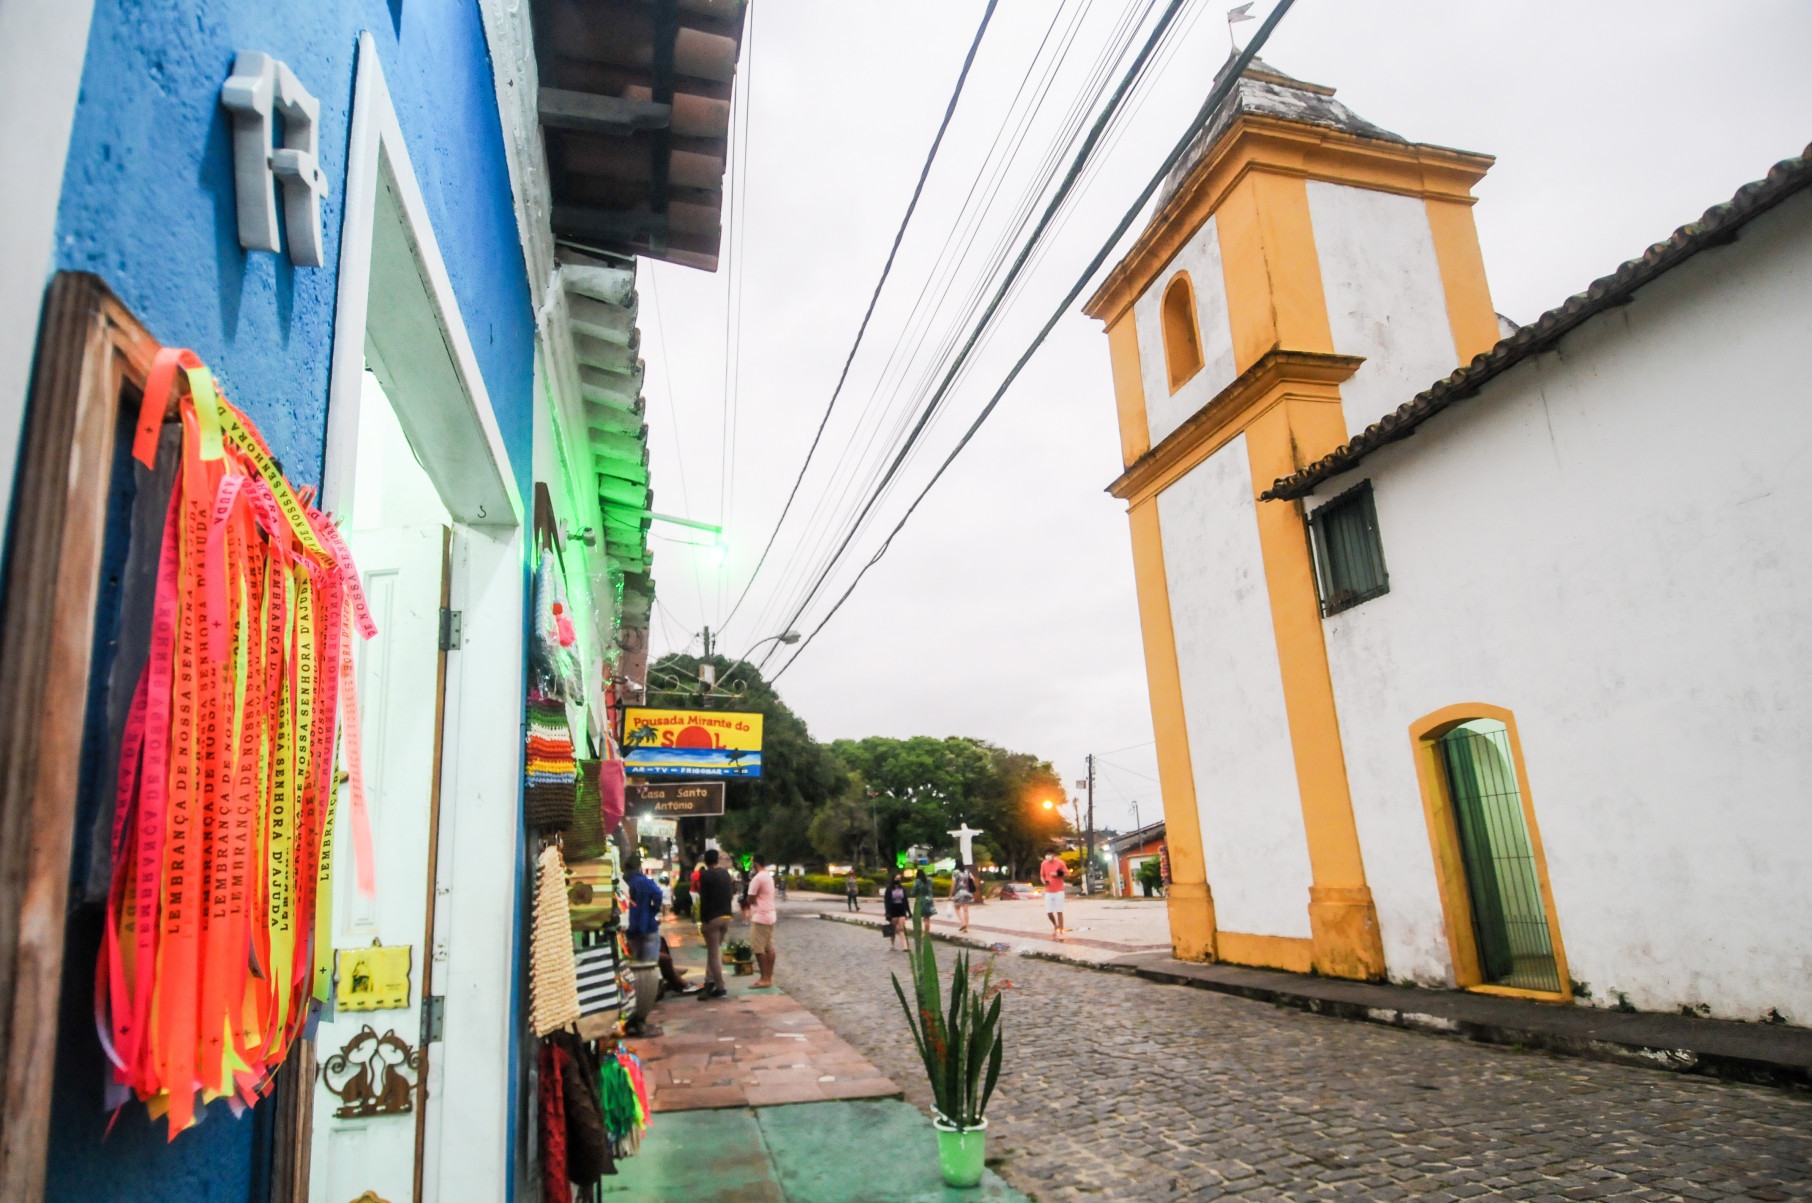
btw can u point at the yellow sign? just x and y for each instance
(372, 979)
(691, 743)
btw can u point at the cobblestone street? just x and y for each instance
(1117, 1088)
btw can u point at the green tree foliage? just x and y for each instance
(922, 788)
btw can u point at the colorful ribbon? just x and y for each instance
(219, 911)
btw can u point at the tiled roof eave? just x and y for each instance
(1716, 227)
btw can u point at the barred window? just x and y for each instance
(1349, 559)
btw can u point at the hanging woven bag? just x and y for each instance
(553, 979)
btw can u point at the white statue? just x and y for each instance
(965, 838)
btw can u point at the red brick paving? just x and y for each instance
(756, 1048)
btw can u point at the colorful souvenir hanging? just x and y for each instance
(554, 649)
(226, 775)
(624, 1093)
(550, 787)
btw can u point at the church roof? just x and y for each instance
(1264, 91)
(1717, 227)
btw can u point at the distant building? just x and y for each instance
(1129, 853)
(1517, 704)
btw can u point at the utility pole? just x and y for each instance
(1088, 864)
(707, 636)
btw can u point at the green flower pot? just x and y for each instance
(961, 1155)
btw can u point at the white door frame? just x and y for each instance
(43, 47)
(442, 404)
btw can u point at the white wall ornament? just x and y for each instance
(259, 87)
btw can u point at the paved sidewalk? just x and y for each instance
(880, 1151)
(1762, 1054)
(1103, 930)
(756, 1048)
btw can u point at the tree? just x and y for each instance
(1151, 877)
(922, 788)
(841, 828)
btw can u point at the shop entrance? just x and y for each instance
(369, 1110)
(417, 470)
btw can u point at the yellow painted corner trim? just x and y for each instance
(1444, 843)
(1269, 144)
(1129, 388)
(1290, 953)
(1192, 923)
(1462, 267)
(1299, 375)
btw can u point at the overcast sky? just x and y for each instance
(1005, 609)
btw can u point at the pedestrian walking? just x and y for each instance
(1053, 872)
(682, 896)
(643, 930)
(759, 911)
(895, 910)
(963, 887)
(852, 892)
(923, 902)
(716, 900)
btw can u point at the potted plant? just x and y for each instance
(961, 1048)
(742, 956)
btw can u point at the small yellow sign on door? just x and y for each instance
(372, 979)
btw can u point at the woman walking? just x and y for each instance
(962, 894)
(852, 892)
(924, 902)
(895, 910)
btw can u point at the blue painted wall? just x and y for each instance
(148, 205)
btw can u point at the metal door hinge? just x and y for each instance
(449, 630)
(434, 1016)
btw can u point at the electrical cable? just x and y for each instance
(886, 269)
(967, 225)
(1081, 158)
(738, 240)
(1229, 80)
(679, 456)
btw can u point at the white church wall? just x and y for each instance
(1253, 840)
(1201, 258)
(1610, 541)
(1385, 301)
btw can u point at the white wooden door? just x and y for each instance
(399, 683)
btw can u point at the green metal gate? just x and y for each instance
(1509, 923)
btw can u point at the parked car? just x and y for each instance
(1010, 890)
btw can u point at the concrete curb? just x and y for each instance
(1736, 1052)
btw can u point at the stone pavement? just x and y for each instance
(756, 1048)
(1117, 1087)
(1759, 1053)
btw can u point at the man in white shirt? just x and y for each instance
(759, 910)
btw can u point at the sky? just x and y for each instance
(1005, 608)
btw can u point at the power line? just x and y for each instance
(886, 270)
(679, 455)
(738, 245)
(969, 217)
(1081, 158)
(1229, 80)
